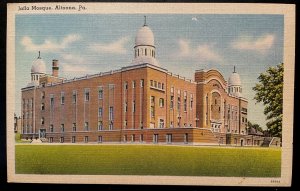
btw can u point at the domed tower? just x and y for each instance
(234, 84)
(144, 49)
(37, 70)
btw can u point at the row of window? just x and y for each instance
(169, 138)
(157, 85)
(86, 127)
(74, 96)
(27, 104)
(134, 84)
(146, 52)
(162, 104)
(235, 89)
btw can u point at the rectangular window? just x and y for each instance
(125, 138)
(163, 86)
(100, 139)
(169, 138)
(152, 111)
(159, 85)
(152, 100)
(152, 108)
(172, 102)
(73, 139)
(142, 82)
(125, 123)
(86, 126)
(125, 107)
(51, 128)
(191, 102)
(161, 102)
(100, 92)
(87, 95)
(62, 127)
(100, 112)
(111, 113)
(133, 106)
(133, 84)
(61, 139)
(126, 86)
(42, 106)
(155, 84)
(86, 139)
(100, 125)
(51, 139)
(161, 123)
(51, 101)
(42, 120)
(185, 104)
(155, 138)
(172, 90)
(43, 95)
(74, 127)
(31, 103)
(141, 138)
(111, 126)
(151, 83)
(178, 104)
(132, 138)
(62, 98)
(74, 97)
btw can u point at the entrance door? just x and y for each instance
(42, 133)
(242, 142)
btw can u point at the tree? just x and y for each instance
(269, 91)
(255, 126)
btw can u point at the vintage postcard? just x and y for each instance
(164, 94)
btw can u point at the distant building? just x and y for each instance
(17, 124)
(141, 102)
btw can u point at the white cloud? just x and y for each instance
(116, 47)
(184, 48)
(74, 65)
(74, 70)
(76, 59)
(194, 19)
(206, 52)
(260, 44)
(48, 45)
(203, 52)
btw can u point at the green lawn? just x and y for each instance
(148, 160)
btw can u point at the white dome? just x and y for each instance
(144, 37)
(234, 80)
(145, 60)
(38, 66)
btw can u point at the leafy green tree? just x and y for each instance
(255, 126)
(269, 91)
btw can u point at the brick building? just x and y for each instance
(141, 102)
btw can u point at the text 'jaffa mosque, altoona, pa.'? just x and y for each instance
(139, 103)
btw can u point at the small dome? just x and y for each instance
(38, 66)
(234, 80)
(144, 37)
(145, 60)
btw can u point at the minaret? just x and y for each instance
(38, 68)
(144, 49)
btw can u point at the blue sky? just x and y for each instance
(87, 44)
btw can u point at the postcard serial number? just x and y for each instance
(49, 8)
